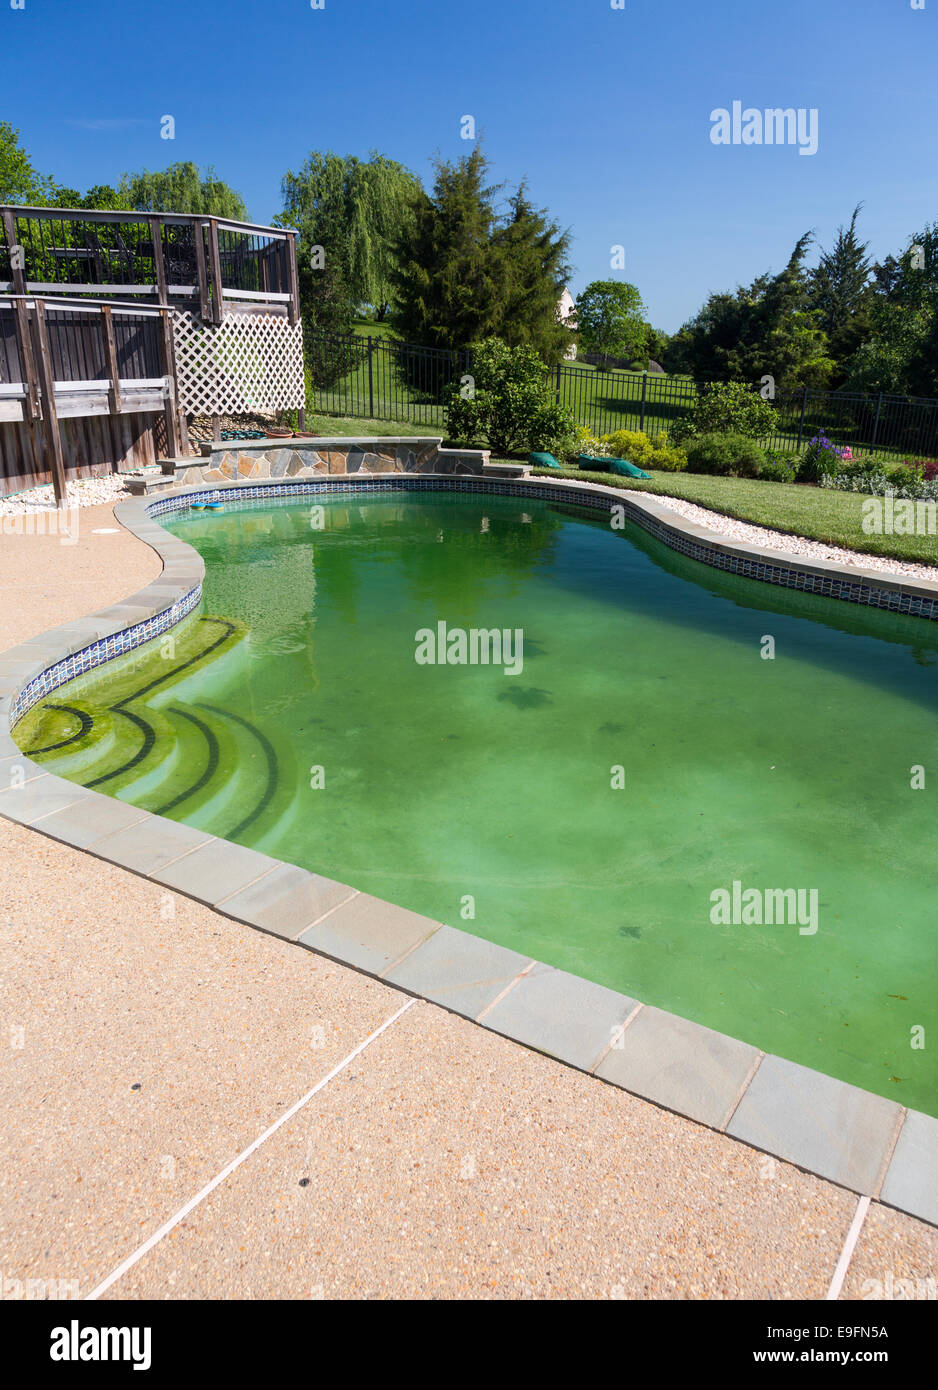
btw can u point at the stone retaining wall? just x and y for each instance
(305, 458)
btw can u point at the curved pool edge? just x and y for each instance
(842, 1133)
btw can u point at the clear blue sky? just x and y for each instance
(607, 112)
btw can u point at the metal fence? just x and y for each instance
(378, 378)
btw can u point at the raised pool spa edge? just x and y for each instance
(842, 1133)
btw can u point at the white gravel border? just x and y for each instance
(732, 529)
(84, 492)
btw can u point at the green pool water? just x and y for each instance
(448, 788)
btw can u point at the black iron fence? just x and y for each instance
(378, 378)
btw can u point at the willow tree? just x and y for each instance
(357, 213)
(182, 187)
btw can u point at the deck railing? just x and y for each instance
(173, 258)
(66, 357)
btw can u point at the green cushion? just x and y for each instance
(629, 469)
(542, 460)
(594, 465)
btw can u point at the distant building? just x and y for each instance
(566, 314)
(566, 308)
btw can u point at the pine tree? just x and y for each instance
(452, 279)
(840, 295)
(535, 253)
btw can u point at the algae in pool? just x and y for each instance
(589, 808)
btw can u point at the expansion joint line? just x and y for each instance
(242, 1157)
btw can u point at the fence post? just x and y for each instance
(644, 394)
(371, 382)
(50, 418)
(557, 383)
(16, 270)
(879, 406)
(804, 404)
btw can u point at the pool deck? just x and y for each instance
(152, 1040)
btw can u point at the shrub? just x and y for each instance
(866, 475)
(586, 443)
(508, 403)
(727, 407)
(635, 446)
(822, 459)
(929, 468)
(778, 470)
(729, 455)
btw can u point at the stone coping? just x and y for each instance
(319, 441)
(849, 1136)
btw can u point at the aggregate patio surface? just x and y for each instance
(146, 1042)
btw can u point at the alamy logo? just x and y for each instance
(776, 125)
(76, 1343)
(756, 907)
(887, 516)
(477, 646)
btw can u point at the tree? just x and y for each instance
(655, 346)
(182, 188)
(452, 279)
(535, 254)
(901, 354)
(611, 319)
(20, 182)
(767, 329)
(839, 293)
(358, 212)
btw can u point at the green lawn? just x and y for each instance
(819, 514)
(343, 426)
(368, 328)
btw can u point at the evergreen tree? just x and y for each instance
(535, 254)
(452, 279)
(839, 293)
(901, 355)
(767, 329)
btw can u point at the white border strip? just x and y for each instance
(846, 1255)
(242, 1157)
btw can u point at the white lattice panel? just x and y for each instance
(247, 362)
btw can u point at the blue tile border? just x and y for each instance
(97, 653)
(904, 1166)
(829, 580)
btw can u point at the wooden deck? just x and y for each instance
(85, 328)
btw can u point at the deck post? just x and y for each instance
(16, 270)
(167, 353)
(159, 263)
(24, 345)
(218, 309)
(110, 352)
(50, 419)
(205, 303)
(294, 307)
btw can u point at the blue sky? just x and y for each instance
(606, 112)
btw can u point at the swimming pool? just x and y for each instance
(589, 809)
